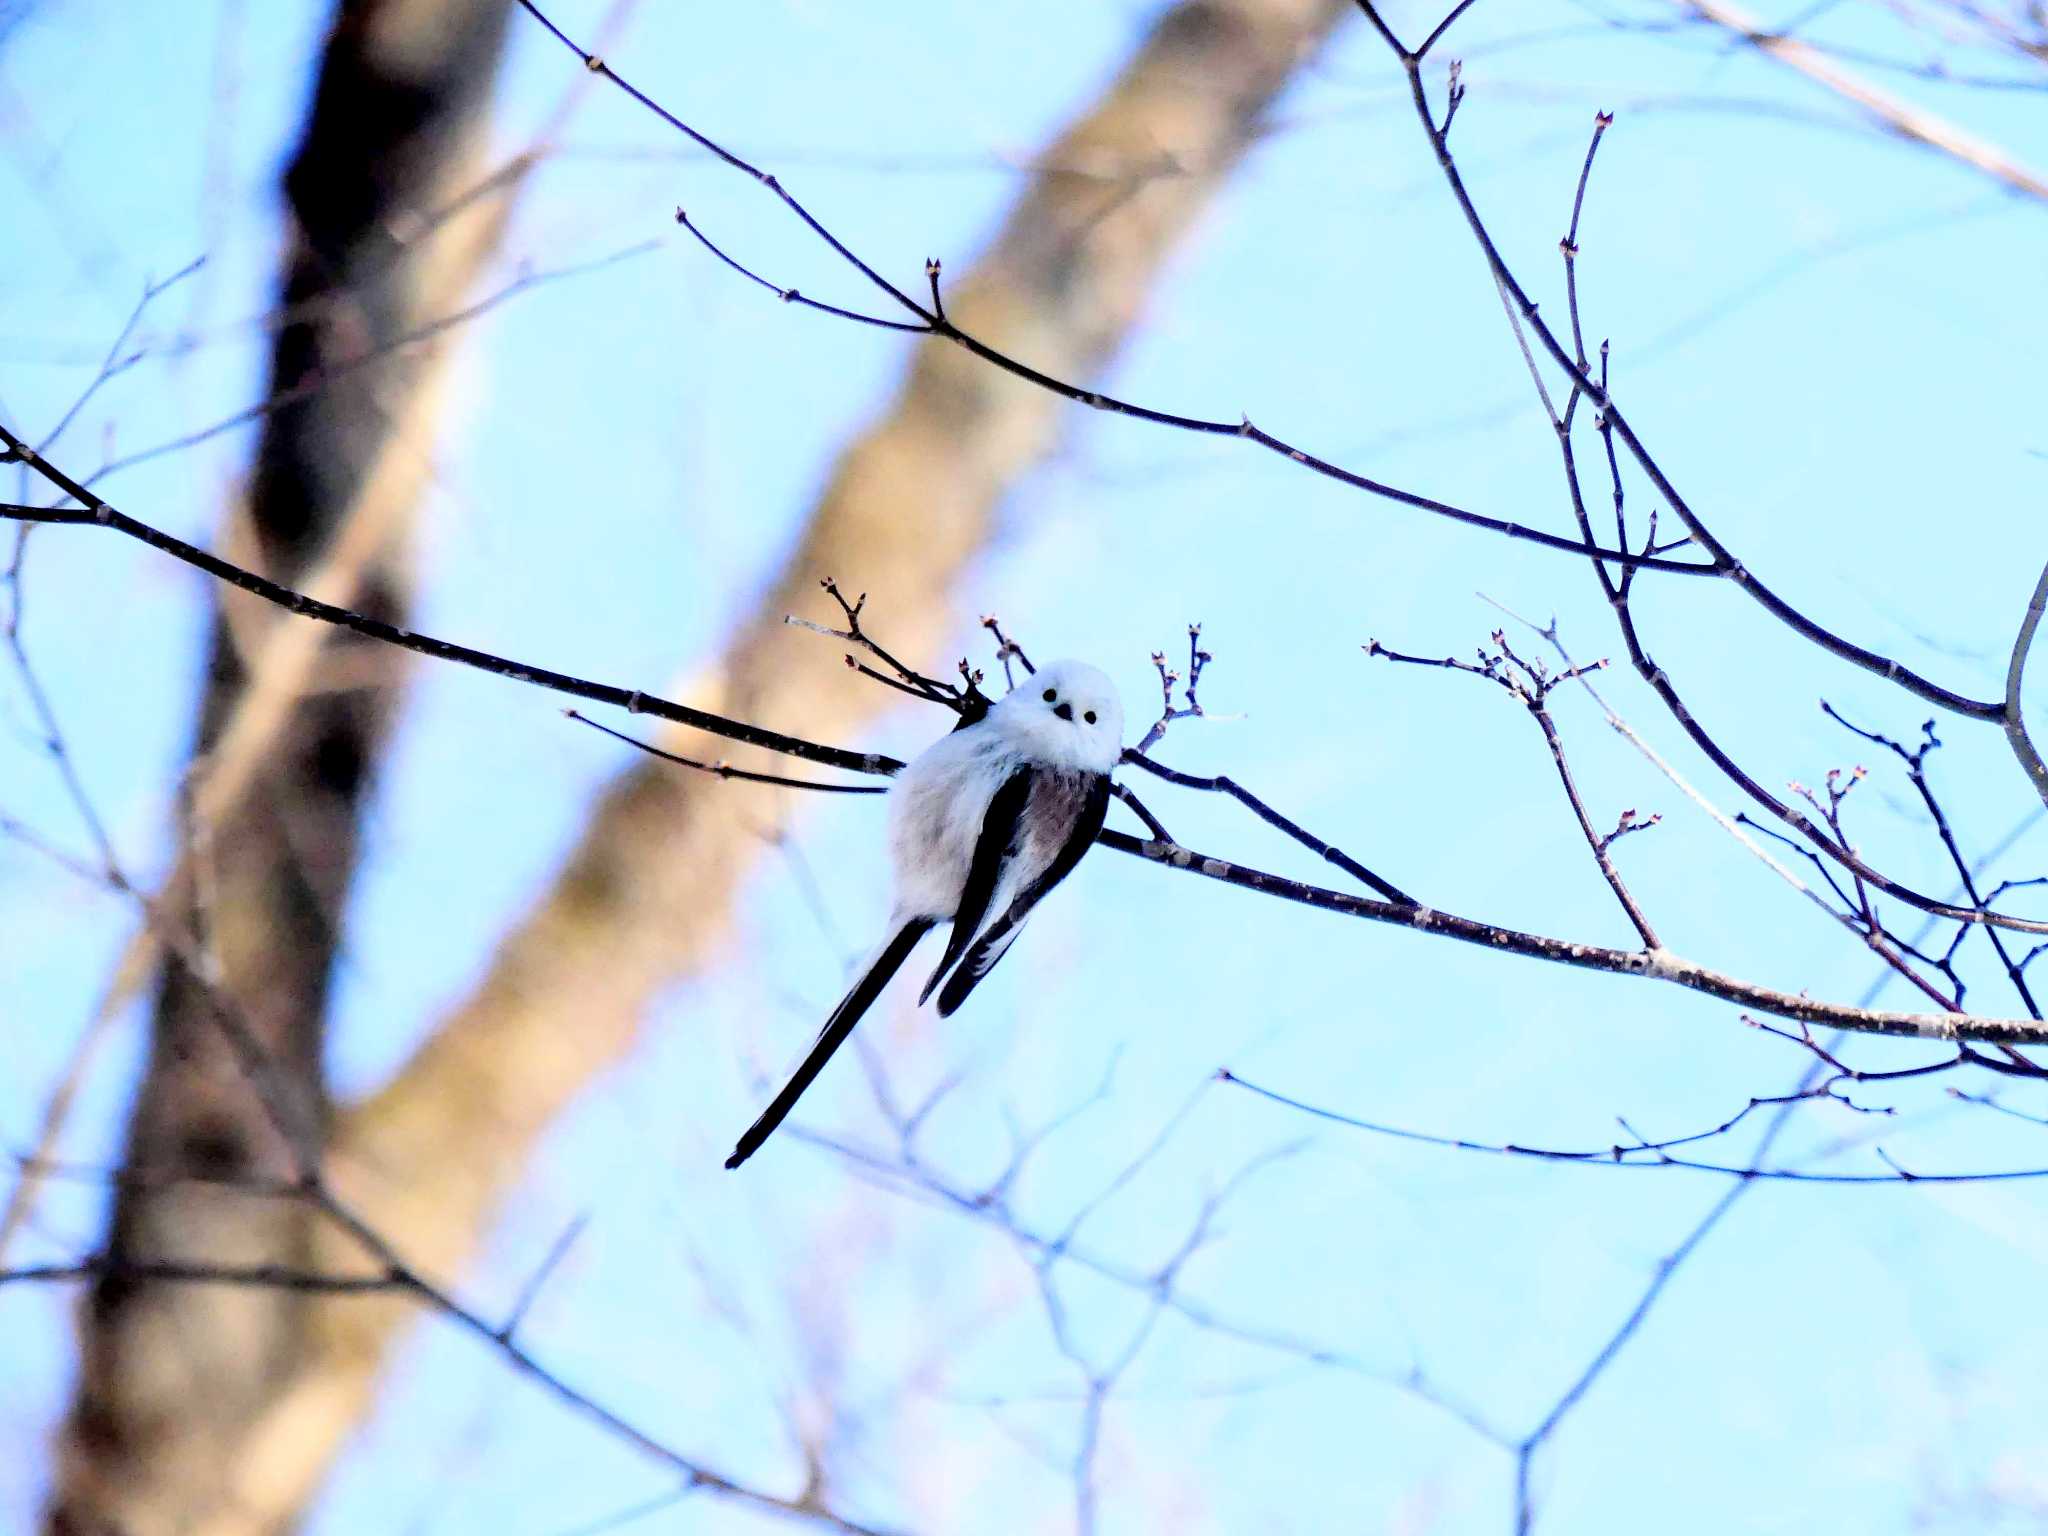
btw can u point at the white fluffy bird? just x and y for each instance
(981, 825)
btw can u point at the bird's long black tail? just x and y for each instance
(833, 1035)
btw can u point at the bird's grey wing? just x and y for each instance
(995, 942)
(993, 850)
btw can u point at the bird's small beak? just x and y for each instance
(1064, 711)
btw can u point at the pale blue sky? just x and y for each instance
(1832, 339)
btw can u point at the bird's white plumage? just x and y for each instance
(981, 824)
(939, 802)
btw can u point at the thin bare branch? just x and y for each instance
(726, 770)
(2015, 720)
(1640, 1155)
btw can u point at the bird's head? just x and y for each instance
(1070, 714)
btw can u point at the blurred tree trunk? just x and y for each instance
(171, 1377)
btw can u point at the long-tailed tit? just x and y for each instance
(981, 825)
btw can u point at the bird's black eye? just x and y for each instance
(1089, 717)
(1051, 694)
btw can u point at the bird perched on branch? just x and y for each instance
(982, 824)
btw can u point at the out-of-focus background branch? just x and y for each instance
(1885, 108)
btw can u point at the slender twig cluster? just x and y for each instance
(1190, 682)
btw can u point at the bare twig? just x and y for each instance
(1530, 684)
(2014, 716)
(1168, 677)
(1641, 1155)
(908, 680)
(1916, 773)
(1223, 784)
(118, 360)
(530, 1292)
(1006, 650)
(726, 770)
